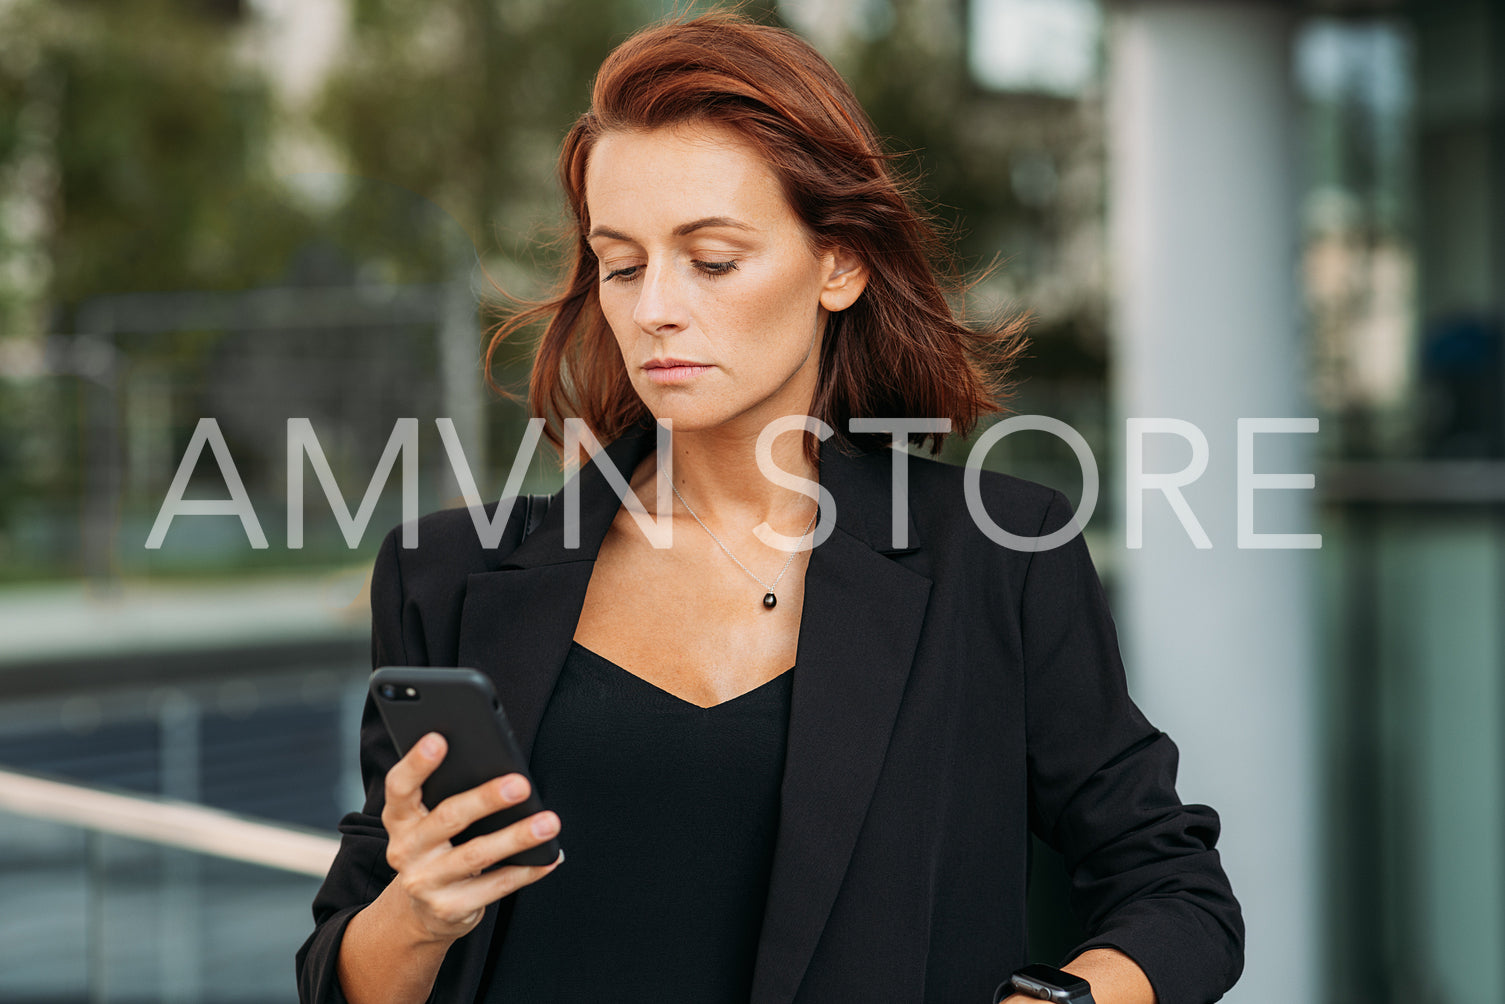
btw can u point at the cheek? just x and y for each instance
(617, 309)
(778, 310)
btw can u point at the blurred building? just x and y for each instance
(1241, 209)
(1306, 203)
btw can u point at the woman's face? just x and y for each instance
(703, 264)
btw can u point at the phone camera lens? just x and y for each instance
(388, 691)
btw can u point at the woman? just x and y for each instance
(796, 754)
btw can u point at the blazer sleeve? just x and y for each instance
(1145, 876)
(360, 870)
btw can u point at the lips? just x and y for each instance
(670, 372)
(655, 364)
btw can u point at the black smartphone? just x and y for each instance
(462, 706)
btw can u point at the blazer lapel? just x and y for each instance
(517, 622)
(859, 628)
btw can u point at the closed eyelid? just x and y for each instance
(707, 268)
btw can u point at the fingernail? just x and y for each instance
(515, 789)
(545, 825)
(430, 745)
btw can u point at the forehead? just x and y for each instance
(653, 180)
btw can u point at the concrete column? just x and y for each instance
(1218, 641)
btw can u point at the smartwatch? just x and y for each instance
(1046, 984)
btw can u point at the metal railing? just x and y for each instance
(168, 823)
(126, 898)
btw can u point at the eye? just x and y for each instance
(715, 268)
(626, 274)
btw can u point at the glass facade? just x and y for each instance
(1404, 261)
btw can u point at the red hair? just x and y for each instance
(898, 351)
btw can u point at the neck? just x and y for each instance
(717, 474)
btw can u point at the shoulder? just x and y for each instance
(420, 577)
(949, 498)
(985, 536)
(449, 544)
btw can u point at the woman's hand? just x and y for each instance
(392, 949)
(446, 890)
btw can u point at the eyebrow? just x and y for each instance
(683, 230)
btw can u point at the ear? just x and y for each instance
(846, 278)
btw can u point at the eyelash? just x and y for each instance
(712, 269)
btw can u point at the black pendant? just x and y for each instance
(769, 600)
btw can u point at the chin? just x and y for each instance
(686, 419)
(686, 415)
(690, 413)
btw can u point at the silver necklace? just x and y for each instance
(769, 599)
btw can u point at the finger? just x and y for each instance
(457, 812)
(479, 853)
(404, 784)
(482, 890)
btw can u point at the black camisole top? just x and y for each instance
(668, 814)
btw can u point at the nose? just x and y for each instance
(660, 307)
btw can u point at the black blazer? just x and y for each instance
(952, 694)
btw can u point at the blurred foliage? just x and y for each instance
(158, 149)
(466, 102)
(148, 146)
